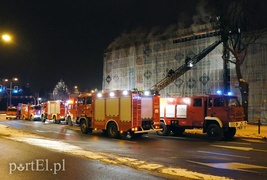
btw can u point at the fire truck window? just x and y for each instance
(233, 102)
(12, 110)
(88, 100)
(80, 101)
(218, 102)
(197, 102)
(37, 107)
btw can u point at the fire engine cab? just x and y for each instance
(12, 112)
(71, 111)
(119, 112)
(31, 112)
(53, 110)
(218, 115)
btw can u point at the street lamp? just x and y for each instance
(76, 91)
(6, 37)
(10, 88)
(39, 100)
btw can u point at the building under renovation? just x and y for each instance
(137, 61)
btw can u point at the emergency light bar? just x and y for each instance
(220, 92)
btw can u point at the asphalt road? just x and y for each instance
(23, 161)
(236, 159)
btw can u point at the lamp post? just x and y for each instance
(10, 88)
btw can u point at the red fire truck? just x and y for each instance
(119, 112)
(218, 115)
(31, 112)
(12, 112)
(71, 112)
(53, 110)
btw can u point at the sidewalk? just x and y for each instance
(253, 131)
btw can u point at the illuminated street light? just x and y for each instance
(76, 90)
(6, 37)
(10, 88)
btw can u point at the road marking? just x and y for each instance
(223, 154)
(67, 134)
(240, 148)
(40, 131)
(232, 166)
(255, 140)
(235, 147)
(260, 150)
(243, 143)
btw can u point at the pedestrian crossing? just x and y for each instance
(234, 160)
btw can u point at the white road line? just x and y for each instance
(235, 147)
(67, 134)
(240, 148)
(223, 154)
(255, 140)
(232, 166)
(243, 143)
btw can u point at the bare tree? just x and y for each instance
(238, 21)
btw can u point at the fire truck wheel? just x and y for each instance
(69, 121)
(23, 117)
(84, 128)
(165, 130)
(113, 130)
(55, 120)
(214, 132)
(31, 118)
(42, 118)
(229, 133)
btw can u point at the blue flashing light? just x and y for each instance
(219, 92)
(229, 93)
(16, 89)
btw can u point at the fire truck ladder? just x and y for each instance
(137, 112)
(184, 68)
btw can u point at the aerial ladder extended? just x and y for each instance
(189, 63)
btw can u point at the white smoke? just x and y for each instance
(202, 16)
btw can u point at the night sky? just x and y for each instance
(66, 39)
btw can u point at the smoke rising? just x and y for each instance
(141, 35)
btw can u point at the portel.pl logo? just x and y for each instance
(38, 165)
